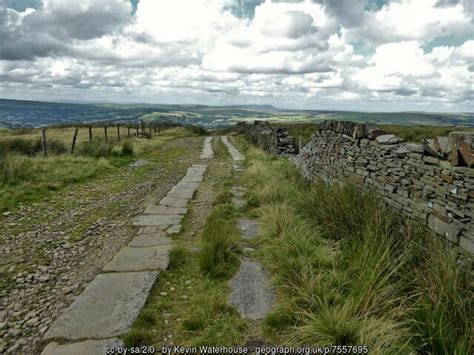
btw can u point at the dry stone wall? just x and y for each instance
(431, 181)
(273, 139)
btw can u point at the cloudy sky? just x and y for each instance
(384, 55)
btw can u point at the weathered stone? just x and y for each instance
(150, 240)
(431, 160)
(107, 307)
(448, 178)
(251, 291)
(165, 210)
(207, 152)
(89, 347)
(181, 192)
(233, 151)
(467, 243)
(443, 228)
(140, 259)
(249, 228)
(429, 147)
(237, 192)
(387, 139)
(174, 229)
(174, 202)
(239, 202)
(158, 220)
(373, 133)
(462, 146)
(441, 144)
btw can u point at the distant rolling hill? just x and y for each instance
(16, 113)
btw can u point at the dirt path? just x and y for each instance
(51, 250)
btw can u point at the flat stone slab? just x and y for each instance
(188, 185)
(150, 240)
(249, 228)
(174, 202)
(184, 193)
(167, 210)
(160, 220)
(233, 151)
(89, 347)
(106, 308)
(140, 259)
(251, 292)
(207, 152)
(237, 191)
(239, 202)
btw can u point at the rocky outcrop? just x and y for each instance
(273, 139)
(431, 181)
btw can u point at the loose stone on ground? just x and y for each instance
(174, 229)
(251, 293)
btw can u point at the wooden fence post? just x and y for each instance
(74, 140)
(43, 141)
(137, 130)
(90, 133)
(299, 144)
(128, 130)
(150, 130)
(105, 133)
(118, 132)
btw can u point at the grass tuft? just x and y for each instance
(13, 168)
(218, 255)
(178, 257)
(97, 148)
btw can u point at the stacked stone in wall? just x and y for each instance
(273, 139)
(430, 181)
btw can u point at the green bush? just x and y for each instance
(127, 147)
(200, 131)
(30, 147)
(178, 257)
(13, 168)
(97, 148)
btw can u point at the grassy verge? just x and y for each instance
(26, 179)
(349, 272)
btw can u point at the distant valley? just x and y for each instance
(17, 113)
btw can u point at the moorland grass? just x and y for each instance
(26, 176)
(351, 272)
(412, 133)
(218, 257)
